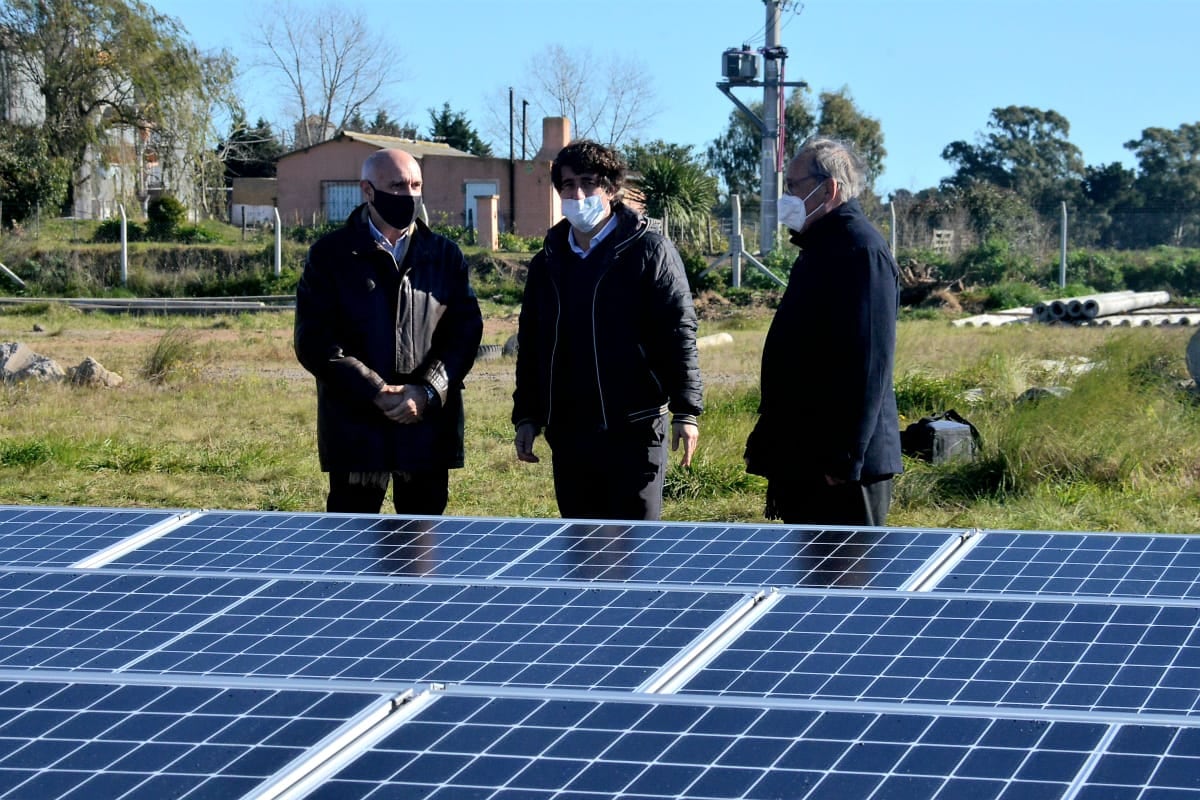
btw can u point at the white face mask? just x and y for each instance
(792, 211)
(584, 215)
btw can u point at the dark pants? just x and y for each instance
(412, 493)
(809, 500)
(613, 474)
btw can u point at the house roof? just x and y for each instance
(415, 147)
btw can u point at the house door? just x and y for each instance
(339, 198)
(474, 189)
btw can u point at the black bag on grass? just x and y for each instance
(941, 438)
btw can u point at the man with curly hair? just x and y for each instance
(606, 347)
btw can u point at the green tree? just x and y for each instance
(1169, 181)
(250, 152)
(29, 176)
(1027, 150)
(381, 125)
(102, 65)
(736, 155)
(453, 128)
(1109, 201)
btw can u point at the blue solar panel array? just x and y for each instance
(149, 654)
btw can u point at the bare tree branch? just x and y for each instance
(326, 57)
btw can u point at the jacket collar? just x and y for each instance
(630, 226)
(819, 229)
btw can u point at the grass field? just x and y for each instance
(216, 413)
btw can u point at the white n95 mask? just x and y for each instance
(791, 210)
(585, 214)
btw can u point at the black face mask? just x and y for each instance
(397, 210)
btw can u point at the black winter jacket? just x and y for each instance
(828, 404)
(363, 321)
(632, 326)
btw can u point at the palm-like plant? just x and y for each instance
(679, 192)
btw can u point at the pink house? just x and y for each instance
(320, 183)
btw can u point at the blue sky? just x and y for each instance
(930, 71)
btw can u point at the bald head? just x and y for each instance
(391, 179)
(393, 171)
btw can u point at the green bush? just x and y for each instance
(109, 232)
(1011, 294)
(164, 214)
(512, 243)
(700, 277)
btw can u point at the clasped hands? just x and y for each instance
(404, 404)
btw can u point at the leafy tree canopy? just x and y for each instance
(29, 176)
(250, 151)
(736, 155)
(101, 64)
(1026, 150)
(453, 128)
(381, 125)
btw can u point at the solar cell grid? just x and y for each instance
(503, 635)
(58, 537)
(736, 555)
(510, 747)
(987, 652)
(343, 545)
(100, 620)
(1091, 564)
(72, 741)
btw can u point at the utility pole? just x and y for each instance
(773, 56)
(740, 68)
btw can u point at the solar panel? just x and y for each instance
(1102, 656)
(661, 553)
(338, 544)
(508, 747)
(85, 741)
(1101, 564)
(32, 536)
(518, 635)
(278, 655)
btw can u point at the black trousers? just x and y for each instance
(809, 500)
(425, 492)
(612, 474)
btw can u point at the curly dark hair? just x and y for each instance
(585, 156)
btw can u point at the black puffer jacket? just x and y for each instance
(636, 317)
(362, 321)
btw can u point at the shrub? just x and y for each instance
(109, 232)
(164, 215)
(194, 234)
(1011, 294)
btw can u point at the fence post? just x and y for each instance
(735, 238)
(278, 245)
(1062, 256)
(892, 209)
(124, 246)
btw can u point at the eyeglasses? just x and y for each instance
(789, 187)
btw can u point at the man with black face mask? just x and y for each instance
(387, 322)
